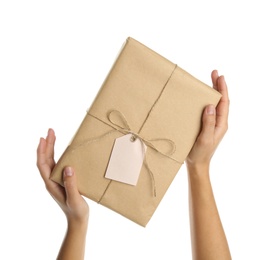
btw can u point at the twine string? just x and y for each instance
(124, 128)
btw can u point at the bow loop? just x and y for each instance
(162, 145)
(118, 119)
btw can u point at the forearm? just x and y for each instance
(73, 246)
(207, 233)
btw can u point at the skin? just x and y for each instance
(207, 234)
(70, 201)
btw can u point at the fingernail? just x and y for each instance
(68, 171)
(210, 110)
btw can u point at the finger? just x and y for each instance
(214, 77)
(41, 151)
(45, 153)
(222, 88)
(41, 159)
(70, 184)
(208, 124)
(222, 108)
(50, 141)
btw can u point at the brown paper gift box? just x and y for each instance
(161, 103)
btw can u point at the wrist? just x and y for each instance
(77, 223)
(198, 170)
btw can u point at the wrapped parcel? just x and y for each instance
(155, 101)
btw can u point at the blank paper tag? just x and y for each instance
(126, 159)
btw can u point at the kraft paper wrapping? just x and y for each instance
(162, 104)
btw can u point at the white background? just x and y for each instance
(54, 56)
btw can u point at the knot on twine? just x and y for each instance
(119, 120)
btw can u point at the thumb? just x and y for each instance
(70, 184)
(208, 123)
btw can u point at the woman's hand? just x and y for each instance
(214, 127)
(68, 197)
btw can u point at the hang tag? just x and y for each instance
(126, 159)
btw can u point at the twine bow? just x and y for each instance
(125, 128)
(120, 124)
